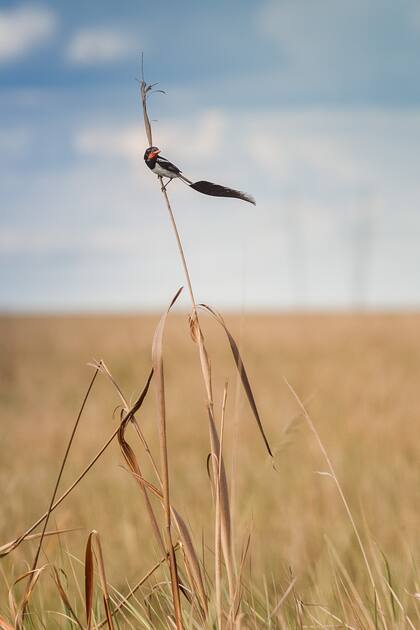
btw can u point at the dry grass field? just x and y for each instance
(359, 377)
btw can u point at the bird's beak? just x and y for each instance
(154, 154)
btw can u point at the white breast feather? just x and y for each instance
(159, 170)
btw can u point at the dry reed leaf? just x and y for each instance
(194, 327)
(134, 467)
(5, 626)
(107, 373)
(205, 367)
(18, 611)
(192, 559)
(209, 458)
(63, 596)
(89, 579)
(131, 412)
(8, 547)
(219, 473)
(242, 372)
(132, 461)
(148, 484)
(221, 488)
(144, 90)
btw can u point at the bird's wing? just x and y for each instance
(164, 163)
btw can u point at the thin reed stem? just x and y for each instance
(180, 247)
(54, 494)
(157, 358)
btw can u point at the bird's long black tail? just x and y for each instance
(215, 190)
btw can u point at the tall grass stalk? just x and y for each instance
(205, 367)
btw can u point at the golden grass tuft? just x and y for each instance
(296, 516)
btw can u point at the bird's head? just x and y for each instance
(151, 153)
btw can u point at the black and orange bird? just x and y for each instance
(162, 167)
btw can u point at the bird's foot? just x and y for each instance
(164, 186)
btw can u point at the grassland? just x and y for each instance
(359, 378)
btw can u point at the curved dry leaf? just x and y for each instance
(242, 372)
(221, 488)
(150, 486)
(144, 89)
(132, 461)
(192, 559)
(19, 610)
(89, 582)
(8, 547)
(63, 596)
(209, 458)
(194, 327)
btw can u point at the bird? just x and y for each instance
(162, 167)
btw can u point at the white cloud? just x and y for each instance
(110, 142)
(291, 150)
(100, 45)
(325, 155)
(22, 29)
(318, 150)
(202, 137)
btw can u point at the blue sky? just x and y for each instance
(313, 107)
